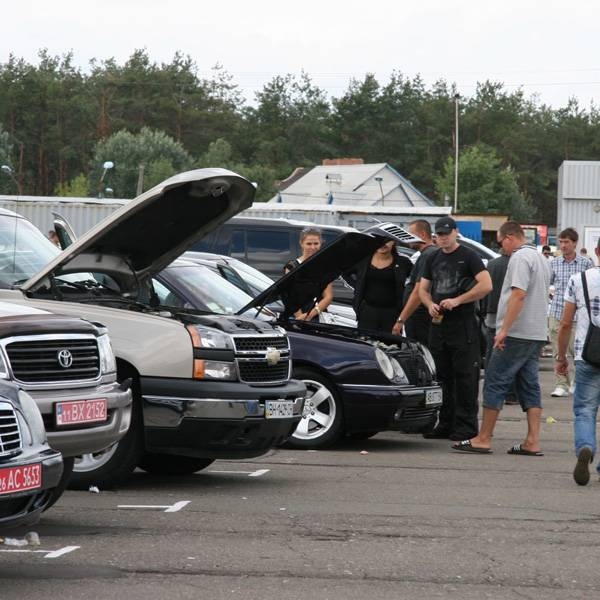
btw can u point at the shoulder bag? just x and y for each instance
(591, 346)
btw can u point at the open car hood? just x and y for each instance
(327, 264)
(148, 233)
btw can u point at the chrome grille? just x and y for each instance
(251, 356)
(37, 360)
(10, 434)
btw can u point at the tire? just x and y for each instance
(113, 466)
(322, 419)
(172, 464)
(57, 492)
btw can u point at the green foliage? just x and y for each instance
(157, 152)
(484, 185)
(78, 187)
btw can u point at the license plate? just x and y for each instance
(81, 411)
(20, 479)
(433, 397)
(279, 409)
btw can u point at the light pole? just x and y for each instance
(379, 180)
(8, 171)
(456, 99)
(106, 166)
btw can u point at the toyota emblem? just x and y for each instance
(65, 358)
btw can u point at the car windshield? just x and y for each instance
(207, 288)
(253, 277)
(24, 250)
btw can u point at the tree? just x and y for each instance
(160, 155)
(484, 185)
(78, 187)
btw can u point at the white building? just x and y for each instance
(579, 201)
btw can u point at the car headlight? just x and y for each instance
(33, 418)
(399, 374)
(108, 364)
(3, 367)
(204, 337)
(384, 362)
(428, 357)
(213, 369)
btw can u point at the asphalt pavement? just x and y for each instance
(396, 516)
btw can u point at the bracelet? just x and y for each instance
(399, 320)
(317, 309)
(559, 358)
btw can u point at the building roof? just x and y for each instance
(355, 184)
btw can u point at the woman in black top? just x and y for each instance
(321, 297)
(379, 288)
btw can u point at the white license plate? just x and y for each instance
(433, 397)
(81, 411)
(279, 409)
(19, 479)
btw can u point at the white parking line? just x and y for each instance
(249, 473)
(164, 507)
(48, 553)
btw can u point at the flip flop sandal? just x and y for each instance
(466, 446)
(518, 449)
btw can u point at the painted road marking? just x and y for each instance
(48, 553)
(249, 473)
(164, 507)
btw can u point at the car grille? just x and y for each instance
(10, 434)
(254, 344)
(415, 368)
(38, 361)
(414, 413)
(251, 357)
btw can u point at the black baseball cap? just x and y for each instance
(445, 225)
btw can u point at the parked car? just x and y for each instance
(358, 382)
(205, 385)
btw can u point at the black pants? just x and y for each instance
(417, 327)
(377, 317)
(454, 344)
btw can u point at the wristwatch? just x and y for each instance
(399, 320)
(560, 358)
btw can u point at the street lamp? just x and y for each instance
(8, 171)
(379, 180)
(456, 99)
(106, 166)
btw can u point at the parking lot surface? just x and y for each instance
(396, 516)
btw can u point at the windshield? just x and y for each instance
(253, 277)
(208, 290)
(24, 250)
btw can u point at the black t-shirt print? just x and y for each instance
(452, 274)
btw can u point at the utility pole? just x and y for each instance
(456, 99)
(140, 181)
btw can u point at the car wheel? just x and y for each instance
(171, 464)
(57, 492)
(321, 423)
(113, 465)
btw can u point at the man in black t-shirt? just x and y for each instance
(453, 280)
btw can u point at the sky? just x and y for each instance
(548, 49)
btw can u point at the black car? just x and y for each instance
(30, 470)
(358, 382)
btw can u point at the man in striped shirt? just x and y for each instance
(562, 267)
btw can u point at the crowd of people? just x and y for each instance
(438, 300)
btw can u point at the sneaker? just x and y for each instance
(559, 393)
(581, 472)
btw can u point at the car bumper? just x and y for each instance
(24, 508)
(216, 419)
(77, 439)
(383, 407)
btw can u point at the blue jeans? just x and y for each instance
(518, 365)
(586, 400)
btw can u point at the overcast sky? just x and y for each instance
(548, 48)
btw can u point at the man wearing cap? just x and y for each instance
(453, 280)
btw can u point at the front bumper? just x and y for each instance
(216, 419)
(383, 407)
(24, 508)
(74, 440)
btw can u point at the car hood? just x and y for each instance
(148, 233)
(339, 256)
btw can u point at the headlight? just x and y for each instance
(428, 357)
(203, 337)
(384, 362)
(399, 374)
(108, 364)
(33, 418)
(3, 367)
(213, 369)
